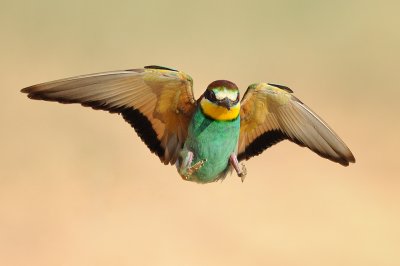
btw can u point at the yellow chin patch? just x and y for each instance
(218, 112)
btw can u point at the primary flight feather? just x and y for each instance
(207, 137)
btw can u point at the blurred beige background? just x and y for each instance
(77, 186)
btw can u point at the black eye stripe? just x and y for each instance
(236, 101)
(210, 95)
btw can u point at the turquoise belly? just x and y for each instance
(212, 140)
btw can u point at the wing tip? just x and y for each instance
(344, 159)
(28, 90)
(33, 92)
(351, 159)
(31, 95)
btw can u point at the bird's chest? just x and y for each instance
(212, 140)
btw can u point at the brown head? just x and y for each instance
(221, 100)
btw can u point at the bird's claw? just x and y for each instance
(194, 168)
(243, 173)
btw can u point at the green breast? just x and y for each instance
(212, 140)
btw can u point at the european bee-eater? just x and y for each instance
(205, 138)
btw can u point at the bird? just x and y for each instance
(205, 138)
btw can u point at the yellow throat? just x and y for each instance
(217, 112)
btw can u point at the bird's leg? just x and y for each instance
(187, 160)
(234, 162)
(186, 168)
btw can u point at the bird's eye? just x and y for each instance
(213, 95)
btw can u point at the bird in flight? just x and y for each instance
(204, 138)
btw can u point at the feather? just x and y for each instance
(274, 112)
(136, 94)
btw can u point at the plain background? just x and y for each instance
(77, 186)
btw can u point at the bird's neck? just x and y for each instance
(217, 112)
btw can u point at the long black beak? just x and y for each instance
(226, 103)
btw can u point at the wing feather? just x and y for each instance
(270, 114)
(158, 102)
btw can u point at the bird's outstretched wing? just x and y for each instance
(158, 102)
(270, 113)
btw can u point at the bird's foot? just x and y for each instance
(243, 173)
(194, 168)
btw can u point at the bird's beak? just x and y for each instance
(226, 103)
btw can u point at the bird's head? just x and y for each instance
(220, 101)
